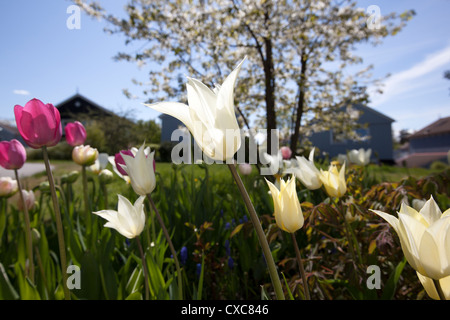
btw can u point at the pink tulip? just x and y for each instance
(75, 133)
(39, 124)
(286, 153)
(12, 154)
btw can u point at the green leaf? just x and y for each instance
(7, 291)
(391, 284)
(27, 290)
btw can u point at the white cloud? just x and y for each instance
(407, 80)
(21, 92)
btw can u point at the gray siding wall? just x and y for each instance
(168, 125)
(380, 142)
(436, 143)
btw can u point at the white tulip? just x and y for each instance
(210, 116)
(307, 172)
(360, 157)
(128, 220)
(141, 171)
(424, 237)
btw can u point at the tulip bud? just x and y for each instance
(72, 176)
(39, 124)
(84, 155)
(75, 133)
(29, 198)
(8, 187)
(44, 186)
(105, 176)
(245, 168)
(36, 236)
(288, 212)
(286, 153)
(12, 154)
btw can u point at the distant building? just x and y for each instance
(428, 145)
(80, 108)
(378, 133)
(168, 125)
(9, 131)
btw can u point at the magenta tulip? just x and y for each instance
(12, 154)
(118, 159)
(75, 133)
(39, 124)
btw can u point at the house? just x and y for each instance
(9, 131)
(80, 108)
(428, 145)
(168, 125)
(377, 130)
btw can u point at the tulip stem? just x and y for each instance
(59, 225)
(87, 214)
(172, 248)
(439, 290)
(29, 240)
(144, 266)
(260, 233)
(300, 267)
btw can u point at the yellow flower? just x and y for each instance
(288, 212)
(424, 237)
(334, 181)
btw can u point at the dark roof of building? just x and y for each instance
(88, 101)
(366, 109)
(438, 127)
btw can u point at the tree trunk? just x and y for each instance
(270, 92)
(300, 105)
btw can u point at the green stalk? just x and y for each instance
(29, 241)
(300, 266)
(144, 266)
(260, 233)
(87, 213)
(59, 225)
(172, 249)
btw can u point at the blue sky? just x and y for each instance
(41, 58)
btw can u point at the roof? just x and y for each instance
(92, 103)
(438, 127)
(380, 115)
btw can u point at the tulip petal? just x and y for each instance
(202, 101)
(226, 91)
(177, 110)
(430, 211)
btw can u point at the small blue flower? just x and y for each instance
(221, 213)
(183, 255)
(227, 246)
(227, 226)
(230, 263)
(245, 218)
